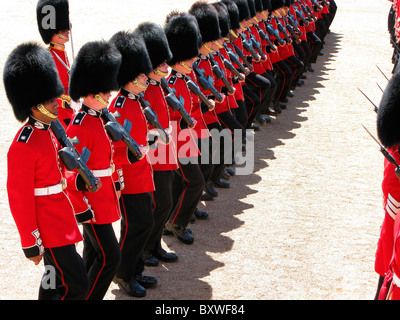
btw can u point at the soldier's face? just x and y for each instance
(46, 112)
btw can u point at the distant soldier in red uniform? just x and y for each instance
(93, 78)
(164, 158)
(56, 38)
(136, 200)
(41, 209)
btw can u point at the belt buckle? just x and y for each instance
(63, 184)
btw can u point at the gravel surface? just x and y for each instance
(304, 224)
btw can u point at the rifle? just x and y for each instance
(317, 5)
(71, 157)
(175, 103)
(196, 90)
(118, 132)
(242, 56)
(206, 84)
(234, 58)
(273, 32)
(387, 155)
(152, 117)
(294, 23)
(220, 74)
(303, 19)
(228, 65)
(375, 107)
(282, 30)
(306, 9)
(256, 45)
(293, 33)
(265, 37)
(249, 46)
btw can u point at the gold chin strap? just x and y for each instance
(100, 99)
(160, 73)
(61, 36)
(233, 33)
(218, 44)
(183, 64)
(138, 84)
(46, 112)
(207, 47)
(256, 20)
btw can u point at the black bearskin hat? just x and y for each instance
(43, 16)
(244, 11)
(266, 4)
(183, 34)
(389, 113)
(156, 43)
(233, 12)
(135, 59)
(30, 78)
(207, 19)
(252, 8)
(94, 70)
(223, 17)
(259, 5)
(277, 4)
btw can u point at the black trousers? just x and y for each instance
(228, 121)
(307, 52)
(70, 282)
(297, 67)
(240, 113)
(284, 76)
(205, 163)
(101, 256)
(261, 86)
(315, 44)
(162, 206)
(137, 221)
(252, 103)
(187, 187)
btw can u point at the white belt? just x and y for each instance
(51, 190)
(103, 173)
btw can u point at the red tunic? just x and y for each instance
(162, 158)
(391, 202)
(185, 141)
(88, 127)
(138, 176)
(204, 64)
(43, 221)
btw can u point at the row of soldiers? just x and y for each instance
(148, 155)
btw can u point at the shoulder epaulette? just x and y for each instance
(78, 118)
(25, 134)
(119, 103)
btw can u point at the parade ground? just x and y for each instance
(305, 223)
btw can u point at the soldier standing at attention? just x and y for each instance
(41, 209)
(56, 38)
(136, 198)
(93, 78)
(163, 158)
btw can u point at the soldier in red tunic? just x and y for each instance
(136, 199)
(387, 253)
(164, 158)
(41, 209)
(184, 40)
(93, 78)
(56, 38)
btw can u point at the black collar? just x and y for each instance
(38, 124)
(90, 111)
(154, 82)
(129, 94)
(178, 74)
